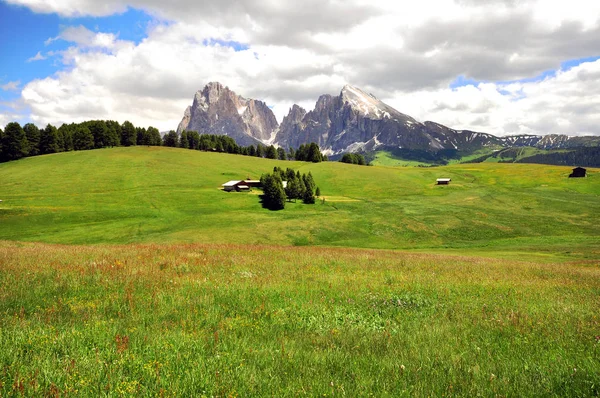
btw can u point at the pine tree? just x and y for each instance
(49, 140)
(14, 142)
(271, 152)
(318, 192)
(171, 139)
(183, 140)
(274, 195)
(308, 197)
(154, 136)
(128, 134)
(281, 153)
(33, 139)
(193, 139)
(82, 138)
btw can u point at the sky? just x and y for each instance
(503, 67)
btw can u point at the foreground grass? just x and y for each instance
(227, 320)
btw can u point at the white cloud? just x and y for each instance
(407, 53)
(563, 104)
(11, 86)
(37, 57)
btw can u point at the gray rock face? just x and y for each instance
(354, 121)
(218, 110)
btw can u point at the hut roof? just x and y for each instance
(231, 183)
(444, 180)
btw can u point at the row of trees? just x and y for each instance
(353, 158)
(17, 142)
(298, 187)
(222, 143)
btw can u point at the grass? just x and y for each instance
(164, 195)
(128, 272)
(386, 158)
(231, 320)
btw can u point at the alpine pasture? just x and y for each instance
(127, 271)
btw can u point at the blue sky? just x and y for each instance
(25, 33)
(292, 52)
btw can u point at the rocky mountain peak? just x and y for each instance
(218, 110)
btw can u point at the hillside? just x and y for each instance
(141, 194)
(182, 289)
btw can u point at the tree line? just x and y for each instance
(298, 186)
(222, 143)
(17, 142)
(353, 158)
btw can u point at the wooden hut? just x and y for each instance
(578, 172)
(443, 181)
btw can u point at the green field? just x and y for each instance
(128, 272)
(136, 195)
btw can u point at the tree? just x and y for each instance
(183, 140)
(353, 158)
(251, 150)
(33, 138)
(48, 140)
(259, 150)
(1, 135)
(281, 153)
(142, 137)
(128, 134)
(14, 142)
(309, 183)
(154, 136)
(271, 152)
(314, 153)
(82, 138)
(193, 139)
(99, 131)
(309, 197)
(171, 139)
(292, 190)
(274, 195)
(65, 137)
(291, 154)
(318, 192)
(113, 137)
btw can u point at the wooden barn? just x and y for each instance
(443, 181)
(239, 186)
(578, 172)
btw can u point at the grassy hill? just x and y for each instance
(168, 286)
(133, 195)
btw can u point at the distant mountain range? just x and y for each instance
(354, 121)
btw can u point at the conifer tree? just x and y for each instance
(14, 142)
(48, 140)
(128, 134)
(33, 139)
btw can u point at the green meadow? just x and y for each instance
(129, 272)
(166, 195)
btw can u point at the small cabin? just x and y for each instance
(231, 186)
(578, 172)
(443, 181)
(252, 183)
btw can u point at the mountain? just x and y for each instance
(353, 121)
(218, 110)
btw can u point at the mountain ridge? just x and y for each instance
(353, 121)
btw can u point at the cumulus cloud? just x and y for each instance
(292, 52)
(566, 103)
